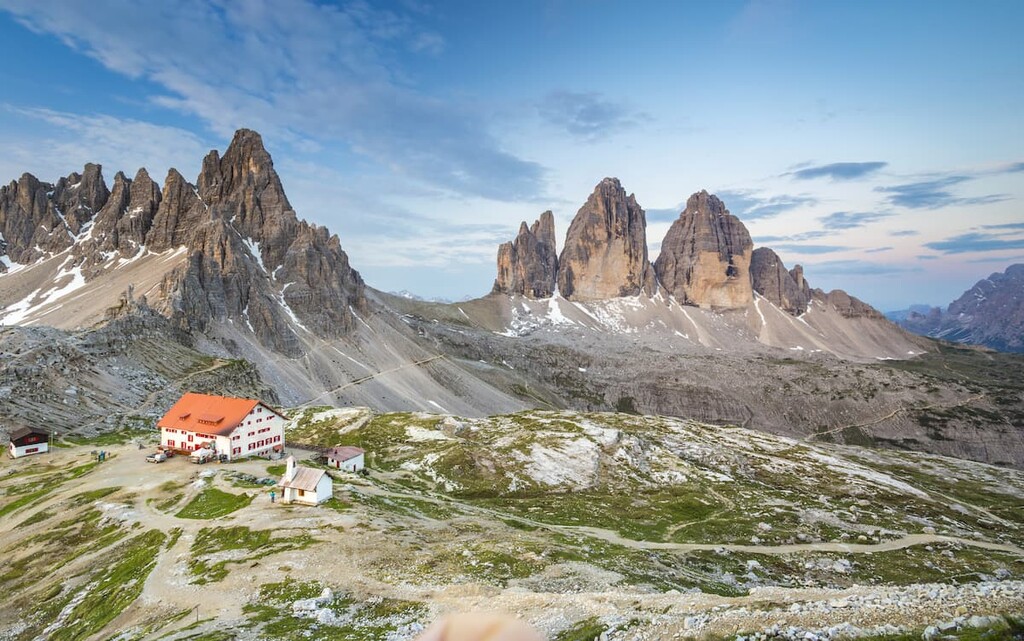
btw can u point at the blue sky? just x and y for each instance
(879, 144)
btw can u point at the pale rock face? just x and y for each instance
(528, 266)
(786, 289)
(705, 257)
(605, 253)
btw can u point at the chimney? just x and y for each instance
(289, 469)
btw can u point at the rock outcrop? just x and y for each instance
(605, 252)
(846, 305)
(786, 289)
(79, 196)
(30, 224)
(991, 313)
(705, 257)
(528, 266)
(179, 214)
(249, 258)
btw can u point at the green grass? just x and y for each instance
(92, 496)
(275, 470)
(43, 487)
(369, 620)
(119, 437)
(212, 503)
(586, 630)
(116, 587)
(38, 517)
(259, 544)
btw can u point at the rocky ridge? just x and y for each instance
(991, 313)
(787, 289)
(246, 256)
(528, 266)
(707, 259)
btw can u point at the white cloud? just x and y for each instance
(300, 72)
(119, 144)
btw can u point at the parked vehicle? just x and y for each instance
(168, 452)
(201, 456)
(156, 457)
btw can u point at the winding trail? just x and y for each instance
(363, 379)
(892, 414)
(614, 537)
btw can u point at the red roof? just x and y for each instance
(344, 452)
(207, 414)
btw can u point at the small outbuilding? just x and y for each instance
(26, 441)
(346, 457)
(305, 485)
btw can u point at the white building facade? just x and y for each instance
(305, 485)
(233, 427)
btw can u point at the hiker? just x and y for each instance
(273, 494)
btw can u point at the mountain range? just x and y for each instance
(990, 314)
(223, 273)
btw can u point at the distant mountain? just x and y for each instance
(901, 314)
(991, 314)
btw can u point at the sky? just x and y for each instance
(879, 144)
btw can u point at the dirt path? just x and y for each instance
(614, 537)
(892, 414)
(363, 379)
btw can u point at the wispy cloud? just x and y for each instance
(975, 242)
(859, 267)
(1006, 226)
(900, 233)
(876, 250)
(851, 220)
(839, 170)
(935, 194)
(588, 116)
(117, 143)
(810, 249)
(807, 235)
(750, 205)
(307, 73)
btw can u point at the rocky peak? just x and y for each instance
(705, 257)
(135, 223)
(103, 234)
(243, 188)
(605, 253)
(80, 196)
(528, 266)
(180, 212)
(250, 258)
(990, 313)
(786, 289)
(847, 306)
(29, 223)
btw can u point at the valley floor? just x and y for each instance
(638, 527)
